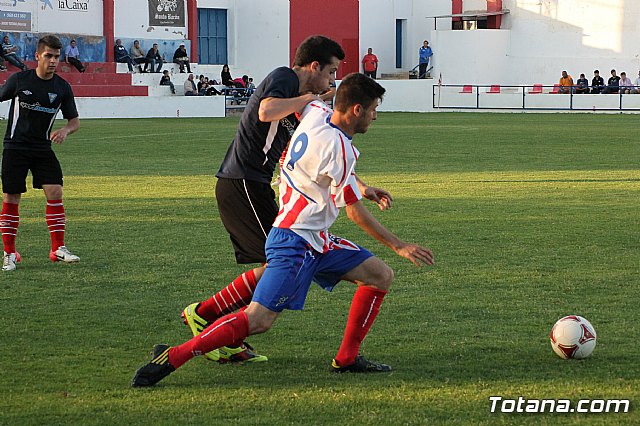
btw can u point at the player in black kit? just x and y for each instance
(244, 196)
(36, 97)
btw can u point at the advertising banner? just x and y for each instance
(166, 13)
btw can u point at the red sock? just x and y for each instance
(364, 309)
(9, 221)
(56, 222)
(236, 295)
(223, 332)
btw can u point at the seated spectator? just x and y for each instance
(225, 75)
(165, 80)
(203, 86)
(190, 88)
(597, 83)
(154, 60)
(613, 84)
(625, 83)
(72, 56)
(181, 58)
(250, 87)
(138, 56)
(582, 84)
(120, 55)
(210, 91)
(566, 83)
(200, 82)
(636, 89)
(9, 53)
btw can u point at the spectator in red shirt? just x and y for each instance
(370, 64)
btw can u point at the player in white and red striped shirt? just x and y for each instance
(318, 178)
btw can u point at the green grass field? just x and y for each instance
(531, 217)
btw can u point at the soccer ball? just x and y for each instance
(573, 337)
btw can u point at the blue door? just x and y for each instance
(212, 36)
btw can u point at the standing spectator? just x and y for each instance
(425, 56)
(154, 60)
(190, 88)
(566, 83)
(225, 75)
(120, 55)
(636, 89)
(9, 52)
(613, 84)
(597, 83)
(27, 146)
(72, 56)
(625, 83)
(582, 84)
(138, 56)
(165, 80)
(370, 64)
(181, 58)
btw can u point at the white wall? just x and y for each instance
(81, 17)
(378, 29)
(258, 35)
(131, 21)
(541, 39)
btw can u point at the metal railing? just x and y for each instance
(483, 94)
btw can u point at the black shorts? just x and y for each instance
(16, 163)
(247, 210)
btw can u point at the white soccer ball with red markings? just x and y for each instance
(573, 337)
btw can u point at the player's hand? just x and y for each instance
(416, 254)
(329, 94)
(379, 196)
(59, 136)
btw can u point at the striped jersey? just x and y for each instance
(317, 178)
(34, 106)
(257, 146)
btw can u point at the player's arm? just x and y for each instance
(378, 195)
(359, 215)
(61, 134)
(273, 109)
(9, 88)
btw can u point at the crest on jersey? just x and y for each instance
(27, 92)
(52, 97)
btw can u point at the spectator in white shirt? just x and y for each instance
(72, 56)
(636, 89)
(625, 83)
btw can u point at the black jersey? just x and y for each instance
(257, 146)
(34, 105)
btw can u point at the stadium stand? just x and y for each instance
(99, 80)
(537, 88)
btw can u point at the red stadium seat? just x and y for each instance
(537, 88)
(495, 88)
(556, 88)
(467, 89)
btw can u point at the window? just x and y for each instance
(401, 25)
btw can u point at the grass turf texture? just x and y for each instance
(531, 217)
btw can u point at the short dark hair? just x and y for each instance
(357, 88)
(596, 72)
(49, 41)
(317, 48)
